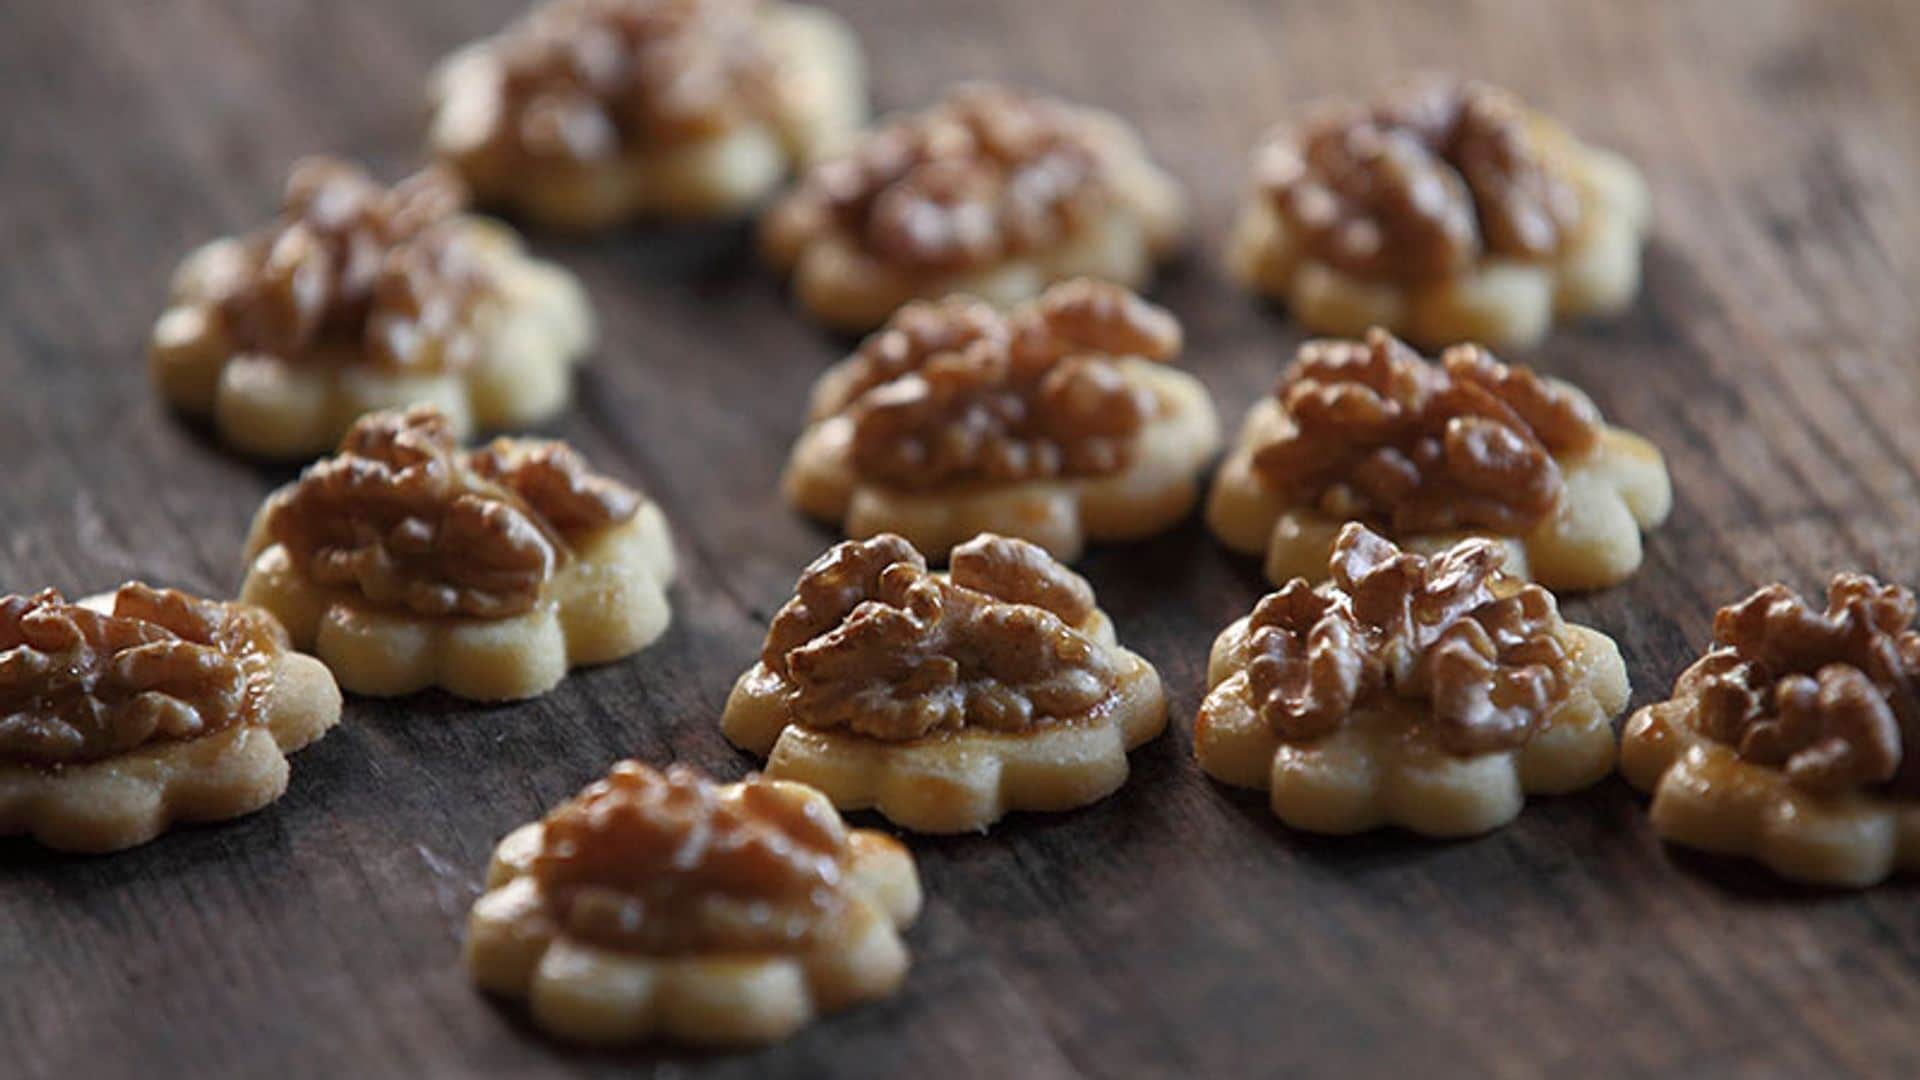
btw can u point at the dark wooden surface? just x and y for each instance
(1174, 929)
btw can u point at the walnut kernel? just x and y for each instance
(1391, 622)
(79, 686)
(874, 643)
(670, 862)
(1378, 434)
(1421, 184)
(406, 519)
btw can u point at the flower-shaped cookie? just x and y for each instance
(992, 192)
(125, 713)
(1447, 211)
(945, 701)
(405, 562)
(586, 113)
(362, 298)
(663, 905)
(1428, 454)
(1796, 739)
(1433, 693)
(1055, 423)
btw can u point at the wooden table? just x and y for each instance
(1175, 928)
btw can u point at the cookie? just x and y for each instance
(1788, 741)
(587, 113)
(945, 701)
(661, 906)
(1445, 211)
(1432, 693)
(1058, 422)
(1430, 453)
(360, 298)
(992, 191)
(128, 712)
(405, 562)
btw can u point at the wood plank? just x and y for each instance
(1174, 929)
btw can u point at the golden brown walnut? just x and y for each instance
(556, 483)
(1021, 573)
(874, 643)
(669, 862)
(406, 519)
(1308, 666)
(352, 270)
(988, 174)
(1495, 674)
(78, 685)
(1378, 434)
(1421, 184)
(1392, 622)
(1831, 698)
(953, 392)
(589, 80)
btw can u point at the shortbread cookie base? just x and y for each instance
(1706, 797)
(583, 993)
(1384, 766)
(1153, 493)
(609, 601)
(1501, 303)
(845, 288)
(823, 102)
(534, 329)
(957, 781)
(1592, 540)
(132, 798)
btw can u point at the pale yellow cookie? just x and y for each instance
(663, 906)
(128, 712)
(992, 192)
(587, 113)
(1445, 212)
(362, 298)
(946, 701)
(1430, 454)
(404, 562)
(1793, 740)
(1432, 693)
(1059, 422)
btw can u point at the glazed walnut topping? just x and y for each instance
(1490, 661)
(988, 174)
(953, 392)
(1422, 184)
(874, 643)
(353, 271)
(1378, 434)
(79, 686)
(556, 483)
(584, 81)
(405, 518)
(1828, 697)
(666, 863)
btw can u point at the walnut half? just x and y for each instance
(989, 173)
(1421, 184)
(669, 862)
(380, 276)
(953, 392)
(876, 644)
(1831, 698)
(1444, 628)
(1377, 434)
(409, 521)
(586, 81)
(78, 685)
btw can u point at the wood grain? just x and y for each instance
(1175, 929)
